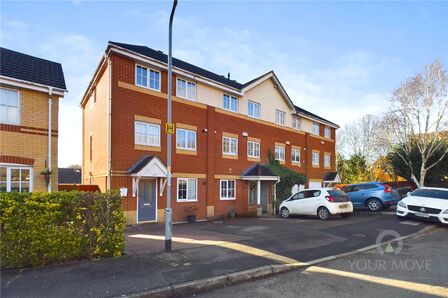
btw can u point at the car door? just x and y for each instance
(293, 203)
(311, 202)
(355, 194)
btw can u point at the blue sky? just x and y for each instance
(340, 60)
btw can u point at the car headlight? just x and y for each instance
(401, 204)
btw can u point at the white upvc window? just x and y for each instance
(279, 153)
(186, 89)
(16, 178)
(147, 78)
(229, 146)
(185, 139)
(230, 103)
(253, 109)
(297, 123)
(187, 189)
(315, 158)
(327, 132)
(295, 155)
(9, 106)
(147, 134)
(253, 149)
(227, 189)
(327, 160)
(316, 129)
(280, 117)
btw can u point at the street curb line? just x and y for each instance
(220, 281)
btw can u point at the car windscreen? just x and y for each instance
(431, 193)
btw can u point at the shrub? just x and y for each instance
(288, 178)
(44, 228)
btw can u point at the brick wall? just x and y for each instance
(29, 140)
(129, 100)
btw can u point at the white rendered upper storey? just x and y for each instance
(262, 98)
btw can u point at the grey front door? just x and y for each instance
(147, 200)
(264, 197)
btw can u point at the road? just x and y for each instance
(418, 270)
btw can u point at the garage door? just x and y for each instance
(315, 184)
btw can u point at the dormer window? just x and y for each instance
(230, 103)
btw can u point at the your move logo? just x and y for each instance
(387, 243)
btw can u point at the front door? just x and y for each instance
(252, 193)
(264, 197)
(147, 200)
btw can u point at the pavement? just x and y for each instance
(202, 250)
(418, 270)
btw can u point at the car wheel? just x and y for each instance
(374, 204)
(345, 215)
(284, 212)
(323, 213)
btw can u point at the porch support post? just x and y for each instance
(258, 192)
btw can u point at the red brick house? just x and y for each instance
(223, 131)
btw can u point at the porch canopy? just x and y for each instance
(330, 178)
(259, 172)
(148, 167)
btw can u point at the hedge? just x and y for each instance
(43, 228)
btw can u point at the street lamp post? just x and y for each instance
(169, 131)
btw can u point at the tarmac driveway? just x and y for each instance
(300, 238)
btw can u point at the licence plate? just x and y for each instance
(343, 206)
(419, 214)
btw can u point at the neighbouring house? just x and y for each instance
(223, 132)
(30, 89)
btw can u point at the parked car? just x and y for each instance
(403, 191)
(322, 202)
(428, 203)
(373, 195)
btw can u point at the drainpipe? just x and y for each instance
(50, 93)
(109, 116)
(275, 194)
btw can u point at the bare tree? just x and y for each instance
(360, 138)
(419, 115)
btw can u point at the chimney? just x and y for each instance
(228, 76)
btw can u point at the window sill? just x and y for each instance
(185, 201)
(186, 152)
(253, 158)
(315, 166)
(228, 156)
(227, 199)
(282, 162)
(147, 148)
(296, 163)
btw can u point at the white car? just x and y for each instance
(322, 202)
(425, 203)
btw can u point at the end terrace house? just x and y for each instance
(30, 90)
(223, 133)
